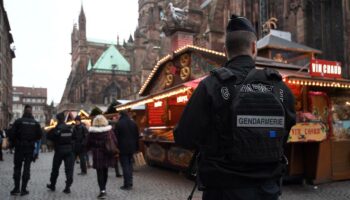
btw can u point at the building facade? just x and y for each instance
(36, 97)
(166, 25)
(6, 56)
(100, 71)
(321, 25)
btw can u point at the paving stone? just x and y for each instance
(149, 184)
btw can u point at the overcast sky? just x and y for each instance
(42, 28)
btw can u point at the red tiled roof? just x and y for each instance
(31, 91)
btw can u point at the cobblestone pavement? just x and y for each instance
(149, 184)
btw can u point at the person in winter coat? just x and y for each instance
(80, 143)
(99, 133)
(113, 122)
(127, 134)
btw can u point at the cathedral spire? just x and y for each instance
(82, 22)
(82, 9)
(130, 40)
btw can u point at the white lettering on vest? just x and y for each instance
(260, 121)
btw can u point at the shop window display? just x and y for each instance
(341, 118)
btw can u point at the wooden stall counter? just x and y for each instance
(340, 159)
(166, 154)
(309, 152)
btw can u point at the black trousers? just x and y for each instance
(82, 154)
(126, 163)
(22, 157)
(68, 159)
(267, 191)
(116, 167)
(102, 176)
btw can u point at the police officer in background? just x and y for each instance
(63, 138)
(25, 132)
(239, 118)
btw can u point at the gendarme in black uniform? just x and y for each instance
(24, 133)
(223, 169)
(63, 137)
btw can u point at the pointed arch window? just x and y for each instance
(111, 92)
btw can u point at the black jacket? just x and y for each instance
(127, 134)
(196, 130)
(63, 138)
(80, 132)
(25, 132)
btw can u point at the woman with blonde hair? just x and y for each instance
(100, 134)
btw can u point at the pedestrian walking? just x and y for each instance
(113, 122)
(238, 119)
(63, 138)
(23, 135)
(127, 134)
(99, 134)
(80, 144)
(37, 146)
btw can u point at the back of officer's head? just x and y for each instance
(27, 111)
(240, 38)
(60, 117)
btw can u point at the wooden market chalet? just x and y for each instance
(319, 144)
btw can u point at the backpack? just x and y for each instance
(252, 116)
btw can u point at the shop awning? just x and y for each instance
(184, 87)
(158, 96)
(193, 84)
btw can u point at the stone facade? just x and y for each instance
(346, 20)
(86, 88)
(165, 25)
(322, 25)
(6, 56)
(36, 97)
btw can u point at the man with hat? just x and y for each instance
(238, 119)
(64, 138)
(81, 134)
(23, 135)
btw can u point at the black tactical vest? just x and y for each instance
(65, 134)
(27, 132)
(252, 117)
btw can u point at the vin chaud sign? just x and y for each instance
(325, 68)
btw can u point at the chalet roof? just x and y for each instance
(275, 42)
(212, 55)
(110, 60)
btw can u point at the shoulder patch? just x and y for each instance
(222, 73)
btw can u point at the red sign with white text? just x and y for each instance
(325, 68)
